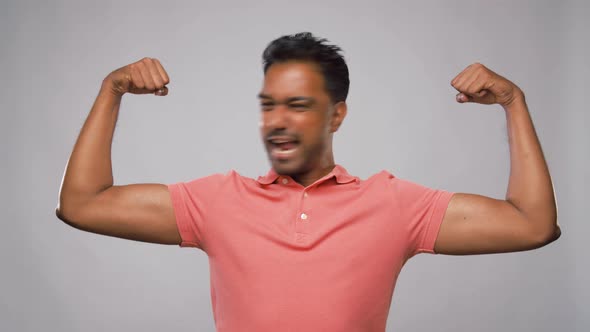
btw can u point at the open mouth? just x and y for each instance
(283, 148)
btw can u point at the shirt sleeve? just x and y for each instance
(191, 202)
(423, 209)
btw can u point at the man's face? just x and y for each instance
(296, 117)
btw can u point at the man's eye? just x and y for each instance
(266, 105)
(299, 106)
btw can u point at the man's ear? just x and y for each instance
(338, 116)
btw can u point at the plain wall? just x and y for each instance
(402, 117)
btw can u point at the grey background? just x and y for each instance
(402, 117)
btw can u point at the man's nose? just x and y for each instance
(277, 118)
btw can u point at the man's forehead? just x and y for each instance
(292, 79)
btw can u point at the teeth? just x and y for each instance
(283, 152)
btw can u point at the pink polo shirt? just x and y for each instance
(326, 257)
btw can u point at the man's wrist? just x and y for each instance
(109, 88)
(516, 102)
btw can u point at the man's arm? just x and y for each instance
(88, 200)
(527, 218)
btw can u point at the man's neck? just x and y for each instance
(305, 179)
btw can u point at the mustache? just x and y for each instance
(281, 133)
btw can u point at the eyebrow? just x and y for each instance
(289, 100)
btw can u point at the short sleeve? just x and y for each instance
(191, 201)
(422, 210)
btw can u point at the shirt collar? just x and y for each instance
(338, 172)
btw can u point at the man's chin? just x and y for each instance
(287, 167)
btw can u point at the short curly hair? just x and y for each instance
(305, 46)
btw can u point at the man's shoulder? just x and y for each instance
(387, 179)
(229, 177)
(215, 185)
(383, 176)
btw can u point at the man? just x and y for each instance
(307, 247)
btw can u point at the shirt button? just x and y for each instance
(305, 194)
(303, 216)
(285, 181)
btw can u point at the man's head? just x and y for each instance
(303, 102)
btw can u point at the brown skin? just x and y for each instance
(527, 217)
(473, 224)
(88, 198)
(295, 103)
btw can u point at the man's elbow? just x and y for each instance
(63, 215)
(545, 236)
(68, 212)
(554, 234)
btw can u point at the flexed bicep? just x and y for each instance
(141, 212)
(475, 224)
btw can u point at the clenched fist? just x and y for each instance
(142, 77)
(479, 84)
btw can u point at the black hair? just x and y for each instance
(304, 46)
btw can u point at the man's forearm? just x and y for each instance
(89, 168)
(529, 187)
